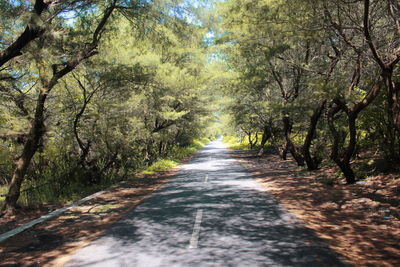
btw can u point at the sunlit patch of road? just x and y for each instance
(212, 213)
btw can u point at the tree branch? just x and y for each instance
(368, 36)
(31, 32)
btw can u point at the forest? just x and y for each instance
(92, 92)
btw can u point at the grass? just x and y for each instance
(161, 165)
(104, 208)
(176, 155)
(55, 188)
(232, 142)
(3, 191)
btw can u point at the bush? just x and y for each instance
(232, 143)
(161, 165)
(175, 156)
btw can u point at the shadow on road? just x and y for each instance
(240, 226)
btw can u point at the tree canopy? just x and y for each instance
(91, 91)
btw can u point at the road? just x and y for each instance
(212, 213)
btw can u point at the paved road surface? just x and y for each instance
(211, 214)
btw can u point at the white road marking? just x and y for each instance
(196, 230)
(206, 179)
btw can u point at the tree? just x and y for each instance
(37, 127)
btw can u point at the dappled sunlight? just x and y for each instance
(239, 225)
(352, 223)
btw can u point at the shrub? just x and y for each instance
(161, 165)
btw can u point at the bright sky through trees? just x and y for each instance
(95, 90)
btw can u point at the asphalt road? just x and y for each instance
(211, 214)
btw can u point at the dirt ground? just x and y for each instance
(51, 243)
(360, 222)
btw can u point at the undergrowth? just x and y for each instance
(175, 156)
(233, 142)
(63, 183)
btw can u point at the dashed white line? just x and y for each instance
(196, 230)
(206, 179)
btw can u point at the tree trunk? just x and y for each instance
(161, 148)
(347, 171)
(37, 130)
(266, 136)
(85, 148)
(283, 151)
(312, 163)
(342, 158)
(250, 140)
(393, 110)
(31, 32)
(387, 67)
(35, 134)
(289, 143)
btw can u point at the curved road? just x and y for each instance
(211, 214)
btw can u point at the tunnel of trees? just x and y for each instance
(91, 91)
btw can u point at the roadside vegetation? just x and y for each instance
(92, 92)
(176, 155)
(318, 80)
(240, 143)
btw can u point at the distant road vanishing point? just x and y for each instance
(212, 213)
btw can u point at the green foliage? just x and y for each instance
(104, 208)
(284, 65)
(141, 101)
(176, 155)
(161, 165)
(233, 142)
(3, 191)
(162, 79)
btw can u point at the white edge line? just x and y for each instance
(196, 230)
(45, 217)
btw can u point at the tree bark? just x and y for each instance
(265, 137)
(283, 151)
(393, 90)
(287, 125)
(31, 32)
(342, 155)
(312, 163)
(250, 140)
(85, 148)
(36, 131)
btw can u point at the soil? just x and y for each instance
(360, 222)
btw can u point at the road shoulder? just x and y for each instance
(52, 242)
(349, 218)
